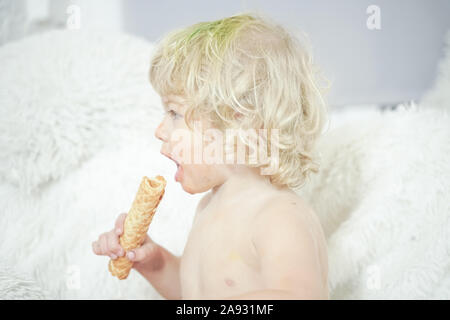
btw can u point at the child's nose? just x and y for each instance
(160, 132)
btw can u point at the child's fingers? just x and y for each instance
(96, 247)
(118, 228)
(114, 248)
(144, 252)
(103, 243)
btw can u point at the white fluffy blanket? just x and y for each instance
(383, 199)
(77, 117)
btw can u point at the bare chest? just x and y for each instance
(219, 259)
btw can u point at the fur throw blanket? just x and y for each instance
(77, 120)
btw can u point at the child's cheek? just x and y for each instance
(181, 142)
(213, 149)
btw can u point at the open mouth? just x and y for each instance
(179, 173)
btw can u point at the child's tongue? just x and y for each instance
(179, 173)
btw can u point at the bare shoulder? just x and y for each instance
(287, 236)
(286, 213)
(285, 204)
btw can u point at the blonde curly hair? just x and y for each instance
(247, 64)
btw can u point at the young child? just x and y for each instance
(252, 237)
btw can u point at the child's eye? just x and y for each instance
(172, 113)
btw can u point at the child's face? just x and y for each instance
(194, 177)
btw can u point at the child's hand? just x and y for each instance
(108, 245)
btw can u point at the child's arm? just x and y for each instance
(152, 261)
(289, 256)
(160, 267)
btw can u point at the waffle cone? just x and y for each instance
(137, 222)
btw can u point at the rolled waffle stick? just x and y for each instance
(137, 222)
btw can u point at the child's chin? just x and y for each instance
(188, 189)
(192, 189)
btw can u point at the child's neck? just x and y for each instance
(239, 179)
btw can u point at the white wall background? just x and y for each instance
(394, 64)
(20, 18)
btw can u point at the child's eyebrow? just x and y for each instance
(166, 104)
(174, 104)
